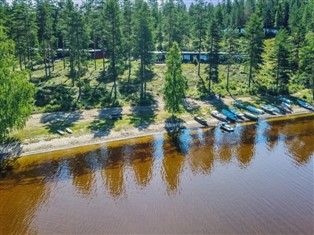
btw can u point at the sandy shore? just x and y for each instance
(72, 141)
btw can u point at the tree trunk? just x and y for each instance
(63, 54)
(95, 64)
(228, 72)
(250, 73)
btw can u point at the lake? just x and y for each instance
(258, 179)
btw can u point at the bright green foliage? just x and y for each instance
(254, 43)
(175, 83)
(143, 40)
(307, 61)
(16, 93)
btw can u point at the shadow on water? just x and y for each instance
(105, 121)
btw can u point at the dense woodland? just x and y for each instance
(274, 40)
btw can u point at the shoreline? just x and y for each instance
(73, 142)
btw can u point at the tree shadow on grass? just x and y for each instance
(9, 152)
(143, 116)
(105, 121)
(60, 120)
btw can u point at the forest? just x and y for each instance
(53, 46)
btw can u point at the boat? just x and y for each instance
(254, 109)
(287, 106)
(250, 116)
(229, 115)
(224, 126)
(236, 112)
(239, 105)
(283, 99)
(284, 109)
(218, 115)
(60, 132)
(305, 105)
(276, 109)
(267, 108)
(68, 130)
(200, 120)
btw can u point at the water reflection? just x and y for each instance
(113, 169)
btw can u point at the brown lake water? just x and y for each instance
(258, 179)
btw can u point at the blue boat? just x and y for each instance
(229, 115)
(305, 105)
(236, 112)
(239, 105)
(276, 110)
(283, 99)
(267, 108)
(254, 110)
(287, 106)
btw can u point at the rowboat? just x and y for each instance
(267, 108)
(226, 127)
(229, 115)
(305, 105)
(200, 120)
(287, 106)
(68, 130)
(239, 105)
(250, 116)
(218, 115)
(283, 99)
(236, 112)
(254, 110)
(276, 110)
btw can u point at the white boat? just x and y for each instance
(287, 106)
(267, 108)
(218, 115)
(254, 109)
(251, 116)
(226, 127)
(60, 132)
(68, 130)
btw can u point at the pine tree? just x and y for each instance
(46, 33)
(307, 61)
(231, 44)
(214, 39)
(280, 61)
(199, 22)
(254, 43)
(175, 83)
(127, 29)
(24, 31)
(16, 93)
(144, 40)
(112, 39)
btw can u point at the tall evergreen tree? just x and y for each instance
(280, 61)
(175, 83)
(24, 31)
(199, 17)
(112, 39)
(254, 43)
(45, 33)
(231, 45)
(307, 61)
(214, 38)
(127, 29)
(144, 41)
